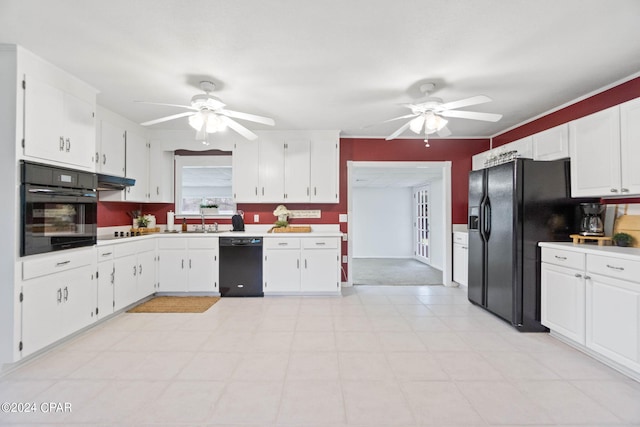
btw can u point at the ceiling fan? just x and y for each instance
(207, 115)
(428, 117)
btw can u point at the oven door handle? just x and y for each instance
(70, 193)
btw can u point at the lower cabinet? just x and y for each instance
(106, 281)
(301, 265)
(58, 298)
(460, 258)
(594, 301)
(134, 277)
(188, 264)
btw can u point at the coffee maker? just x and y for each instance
(591, 223)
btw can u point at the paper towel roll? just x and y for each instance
(170, 220)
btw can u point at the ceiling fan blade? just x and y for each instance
(474, 100)
(247, 116)
(399, 131)
(473, 115)
(166, 119)
(391, 120)
(444, 132)
(168, 105)
(239, 128)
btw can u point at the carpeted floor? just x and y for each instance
(167, 304)
(394, 271)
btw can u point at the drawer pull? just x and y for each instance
(283, 244)
(578, 275)
(613, 267)
(321, 243)
(107, 253)
(587, 277)
(562, 258)
(60, 264)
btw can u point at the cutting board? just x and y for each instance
(629, 224)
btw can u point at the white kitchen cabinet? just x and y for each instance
(563, 301)
(106, 281)
(161, 175)
(110, 154)
(281, 268)
(58, 126)
(134, 272)
(630, 146)
(301, 265)
(188, 264)
(324, 171)
(246, 177)
(595, 154)
(137, 153)
(523, 146)
(287, 167)
(460, 258)
(551, 144)
(58, 298)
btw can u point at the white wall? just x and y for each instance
(436, 217)
(382, 222)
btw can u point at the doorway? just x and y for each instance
(388, 227)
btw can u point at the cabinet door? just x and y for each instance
(80, 133)
(106, 276)
(551, 144)
(613, 319)
(594, 142)
(172, 270)
(320, 270)
(281, 270)
(523, 146)
(460, 264)
(563, 301)
(146, 274)
(324, 180)
(246, 178)
(296, 171)
(111, 156)
(271, 171)
(41, 313)
(137, 167)
(125, 283)
(43, 121)
(630, 146)
(202, 266)
(160, 175)
(79, 299)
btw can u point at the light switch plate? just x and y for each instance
(342, 218)
(256, 218)
(345, 259)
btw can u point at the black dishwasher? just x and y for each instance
(241, 266)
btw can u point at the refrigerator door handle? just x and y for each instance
(486, 218)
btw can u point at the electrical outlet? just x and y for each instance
(256, 218)
(345, 237)
(345, 259)
(342, 218)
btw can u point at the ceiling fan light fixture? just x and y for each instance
(416, 124)
(211, 121)
(434, 123)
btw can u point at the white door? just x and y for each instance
(112, 149)
(79, 294)
(296, 171)
(271, 171)
(124, 292)
(172, 270)
(246, 180)
(324, 172)
(563, 301)
(319, 267)
(41, 313)
(80, 132)
(421, 223)
(137, 167)
(146, 274)
(282, 270)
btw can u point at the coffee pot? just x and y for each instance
(591, 223)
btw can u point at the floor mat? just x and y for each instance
(175, 305)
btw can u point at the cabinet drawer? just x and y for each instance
(320, 243)
(105, 253)
(172, 243)
(564, 258)
(50, 264)
(614, 267)
(282, 243)
(462, 238)
(203, 243)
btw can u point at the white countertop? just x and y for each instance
(615, 251)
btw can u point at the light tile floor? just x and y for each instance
(378, 356)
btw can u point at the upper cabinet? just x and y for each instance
(110, 149)
(161, 173)
(58, 126)
(603, 148)
(551, 144)
(294, 167)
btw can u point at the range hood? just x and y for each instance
(110, 182)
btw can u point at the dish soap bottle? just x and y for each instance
(184, 224)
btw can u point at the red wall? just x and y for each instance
(458, 151)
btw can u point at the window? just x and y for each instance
(203, 180)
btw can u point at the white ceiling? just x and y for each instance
(334, 64)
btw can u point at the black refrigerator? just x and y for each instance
(512, 207)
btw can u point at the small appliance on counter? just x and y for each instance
(238, 222)
(591, 223)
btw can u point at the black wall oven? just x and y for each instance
(59, 208)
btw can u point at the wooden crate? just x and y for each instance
(291, 229)
(145, 230)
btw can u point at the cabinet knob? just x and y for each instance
(625, 190)
(578, 275)
(614, 190)
(587, 277)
